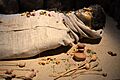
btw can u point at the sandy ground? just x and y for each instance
(110, 64)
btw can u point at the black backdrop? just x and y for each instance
(111, 7)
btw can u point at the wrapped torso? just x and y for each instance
(23, 36)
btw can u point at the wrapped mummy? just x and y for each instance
(28, 34)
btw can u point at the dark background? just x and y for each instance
(111, 7)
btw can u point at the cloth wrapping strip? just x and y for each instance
(23, 37)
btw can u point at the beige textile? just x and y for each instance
(22, 36)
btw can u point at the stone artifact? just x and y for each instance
(30, 33)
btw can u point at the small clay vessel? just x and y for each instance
(79, 56)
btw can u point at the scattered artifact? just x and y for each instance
(81, 46)
(94, 73)
(79, 56)
(91, 51)
(84, 68)
(28, 76)
(7, 77)
(111, 53)
(28, 14)
(93, 57)
(49, 60)
(21, 65)
(89, 66)
(9, 74)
